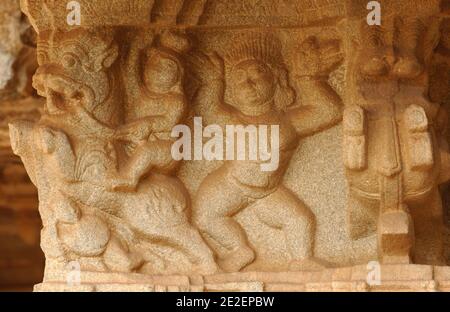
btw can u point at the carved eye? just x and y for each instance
(69, 61)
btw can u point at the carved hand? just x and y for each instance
(134, 132)
(317, 59)
(207, 67)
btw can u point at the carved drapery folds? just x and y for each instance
(114, 199)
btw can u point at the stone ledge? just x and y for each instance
(414, 278)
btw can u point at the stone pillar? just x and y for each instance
(126, 204)
(394, 133)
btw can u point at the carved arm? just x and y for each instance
(209, 98)
(321, 109)
(321, 106)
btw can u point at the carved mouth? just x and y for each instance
(61, 98)
(62, 93)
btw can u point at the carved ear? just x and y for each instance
(111, 56)
(107, 59)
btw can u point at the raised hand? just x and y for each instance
(318, 58)
(206, 67)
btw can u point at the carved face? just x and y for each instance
(161, 73)
(74, 72)
(253, 85)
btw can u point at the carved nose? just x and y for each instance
(250, 82)
(38, 82)
(50, 76)
(39, 78)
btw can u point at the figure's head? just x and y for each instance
(252, 83)
(162, 72)
(257, 78)
(75, 69)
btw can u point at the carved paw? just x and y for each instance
(237, 260)
(118, 258)
(87, 238)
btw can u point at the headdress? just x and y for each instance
(263, 47)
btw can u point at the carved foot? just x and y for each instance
(237, 260)
(408, 68)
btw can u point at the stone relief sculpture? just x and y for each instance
(82, 211)
(394, 146)
(258, 83)
(163, 106)
(116, 202)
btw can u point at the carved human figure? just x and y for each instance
(258, 84)
(162, 106)
(393, 149)
(70, 154)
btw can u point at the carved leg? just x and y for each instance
(217, 201)
(147, 156)
(283, 210)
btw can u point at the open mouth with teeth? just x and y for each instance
(62, 93)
